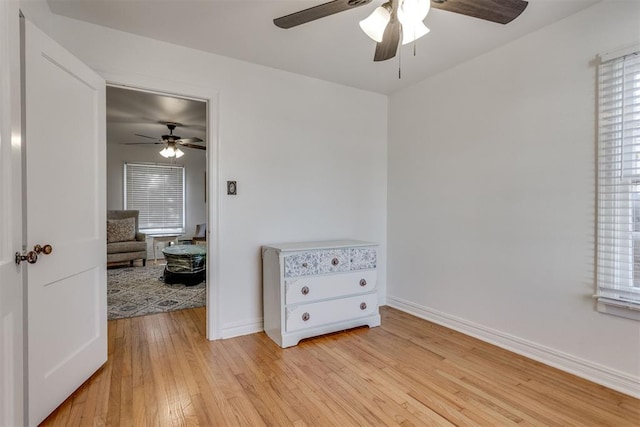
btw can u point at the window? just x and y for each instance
(157, 191)
(618, 269)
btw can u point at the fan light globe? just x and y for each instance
(374, 25)
(411, 13)
(416, 10)
(413, 31)
(179, 153)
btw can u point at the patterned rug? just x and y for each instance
(138, 291)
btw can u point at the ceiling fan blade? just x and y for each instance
(388, 47)
(141, 143)
(184, 141)
(317, 12)
(500, 11)
(145, 136)
(197, 146)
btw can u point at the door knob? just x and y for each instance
(32, 256)
(45, 250)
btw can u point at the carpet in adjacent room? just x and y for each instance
(138, 291)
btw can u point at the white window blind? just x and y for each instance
(157, 191)
(618, 268)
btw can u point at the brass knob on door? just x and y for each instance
(31, 257)
(363, 306)
(305, 290)
(363, 282)
(45, 250)
(305, 316)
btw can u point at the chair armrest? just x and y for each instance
(141, 237)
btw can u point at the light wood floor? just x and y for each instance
(162, 371)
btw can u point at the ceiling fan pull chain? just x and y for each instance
(400, 54)
(400, 64)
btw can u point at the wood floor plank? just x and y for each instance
(162, 371)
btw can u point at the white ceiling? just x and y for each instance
(131, 112)
(332, 48)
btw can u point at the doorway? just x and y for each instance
(157, 166)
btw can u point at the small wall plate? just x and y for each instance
(232, 189)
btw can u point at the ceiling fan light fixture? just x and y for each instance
(374, 25)
(171, 151)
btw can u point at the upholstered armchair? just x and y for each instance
(124, 241)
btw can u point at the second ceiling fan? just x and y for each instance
(397, 20)
(172, 141)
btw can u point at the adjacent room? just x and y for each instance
(156, 180)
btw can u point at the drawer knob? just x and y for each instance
(363, 282)
(363, 306)
(305, 265)
(305, 290)
(305, 316)
(335, 261)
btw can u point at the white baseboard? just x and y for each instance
(236, 329)
(599, 374)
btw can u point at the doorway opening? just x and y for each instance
(157, 214)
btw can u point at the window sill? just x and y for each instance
(628, 310)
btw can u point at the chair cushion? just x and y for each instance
(121, 230)
(131, 246)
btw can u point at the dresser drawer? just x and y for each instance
(309, 289)
(363, 258)
(302, 264)
(333, 261)
(326, 312)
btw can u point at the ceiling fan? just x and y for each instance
(172, 141)
(401, 20)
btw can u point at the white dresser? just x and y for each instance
(313, 288)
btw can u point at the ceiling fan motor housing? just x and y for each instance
(171, 137)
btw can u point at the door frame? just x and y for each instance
(211, 97)
(12, 278)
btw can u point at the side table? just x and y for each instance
(185, 264)
(160, 238)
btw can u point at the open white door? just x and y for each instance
(11, 285)
(65, 207)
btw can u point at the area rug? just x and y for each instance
(138, 291)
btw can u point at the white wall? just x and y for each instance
(194, 162)
(492, 198)
(309, 156)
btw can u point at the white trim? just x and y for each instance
(618, 308)
(214, 235)
(619, 53)
(236, 329)
(599, 374)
